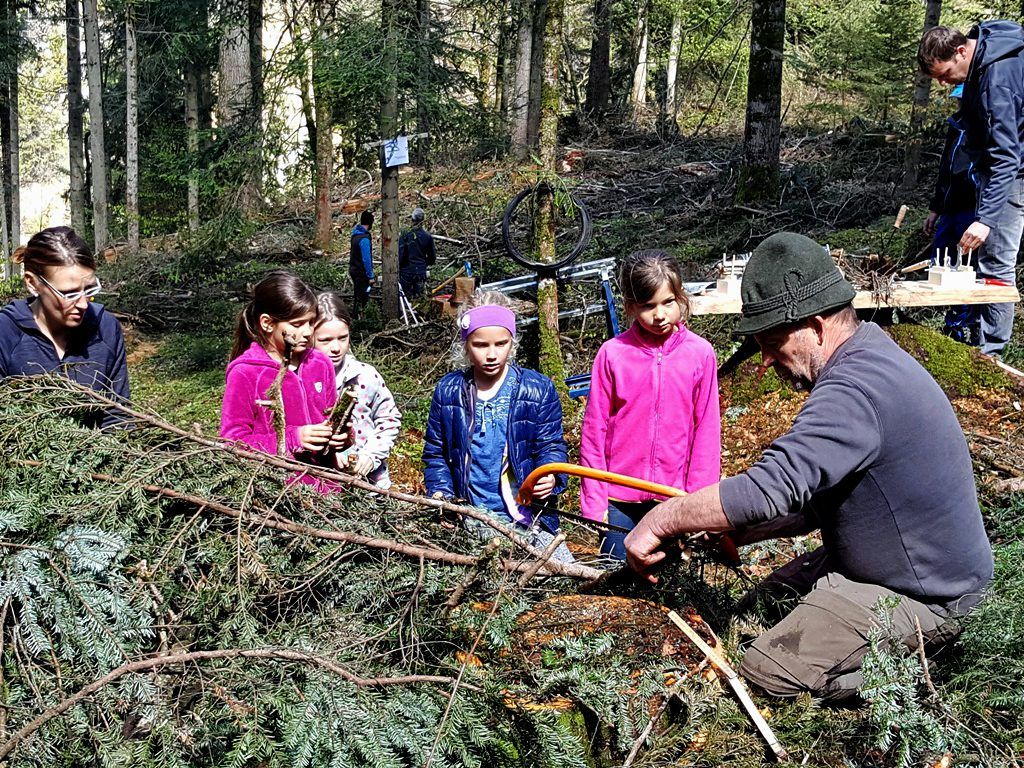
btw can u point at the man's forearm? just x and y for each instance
(699, 511)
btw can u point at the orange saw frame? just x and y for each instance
(525, 495)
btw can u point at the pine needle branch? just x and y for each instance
(144, 665)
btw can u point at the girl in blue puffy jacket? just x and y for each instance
(493, 423)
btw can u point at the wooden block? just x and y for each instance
(464, 287)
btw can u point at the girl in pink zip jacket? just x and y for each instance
(653, 411)
(278, 321)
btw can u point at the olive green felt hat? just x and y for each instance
(788, 278)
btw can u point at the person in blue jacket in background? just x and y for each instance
(950, 213)
(360, 262)
(60, 328)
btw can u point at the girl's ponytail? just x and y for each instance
(282, 296)
(245, 333)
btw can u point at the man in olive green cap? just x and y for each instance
(858, 463)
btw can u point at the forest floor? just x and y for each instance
(179, 303)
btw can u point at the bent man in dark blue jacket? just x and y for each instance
(989, 61)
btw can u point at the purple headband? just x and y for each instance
(486, 316)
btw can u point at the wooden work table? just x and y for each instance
(902, 294)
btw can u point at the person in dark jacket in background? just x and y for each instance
(859, 464)
(415, 256)
(950, 213)
(492, 424)
(360, 262)
(989, 61)
(60, 328)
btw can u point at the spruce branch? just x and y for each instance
(554, 567)
(276, 522)
(147, 664)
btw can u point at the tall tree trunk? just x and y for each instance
(536, 73)
(550, 360)
(97, 145)
(424, 47)
(192, 87)
(76, 144)
(236, 114)
(672, 71)
(638, 93)
(256, 78)
(922, 90)
(599, 80)
(131, 129)
(324, 15)
(15, 169)
(389, 176)
(502, 68)
(759, 176)
(521, 92)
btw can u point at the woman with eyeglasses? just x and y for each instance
(59, 328)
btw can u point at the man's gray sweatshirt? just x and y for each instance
(878, 458)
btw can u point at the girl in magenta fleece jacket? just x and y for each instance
(279, 319)
(653, 406)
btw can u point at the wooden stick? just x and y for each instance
(472, 575)
(735, 683)
(442, 285)
(539, 563)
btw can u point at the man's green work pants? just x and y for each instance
(818, 647)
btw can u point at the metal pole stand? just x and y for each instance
(409, 316)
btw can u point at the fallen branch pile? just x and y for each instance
(154, 580)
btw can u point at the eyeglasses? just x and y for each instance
(73, 296)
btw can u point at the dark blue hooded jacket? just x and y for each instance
(992, 113)
(534, 433)
(95, 354)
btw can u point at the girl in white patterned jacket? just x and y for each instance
(376, 419)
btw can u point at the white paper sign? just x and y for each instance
(396, 152)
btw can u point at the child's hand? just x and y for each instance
(361, 464)
(543, 487)
(338, 441)
(313, 437)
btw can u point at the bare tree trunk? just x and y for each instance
(15, 160)
(503, 72)
(550, 359)
(76, 143)
(599, 80)
(638, 93)
(389, 176)
(672, 70)
(521, 92)
(131, 129)
(536, 74)
(324, 16)
(97, 145)
(10, 268)
(256, 79)
(236, 114)
(423, 121)
(759, 176)
(922, 90)
(192, 86)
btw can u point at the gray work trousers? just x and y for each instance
(817, 648)
(998, 259)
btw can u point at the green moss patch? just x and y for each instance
(744, 385)
(959, 369)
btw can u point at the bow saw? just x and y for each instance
(720, 547)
